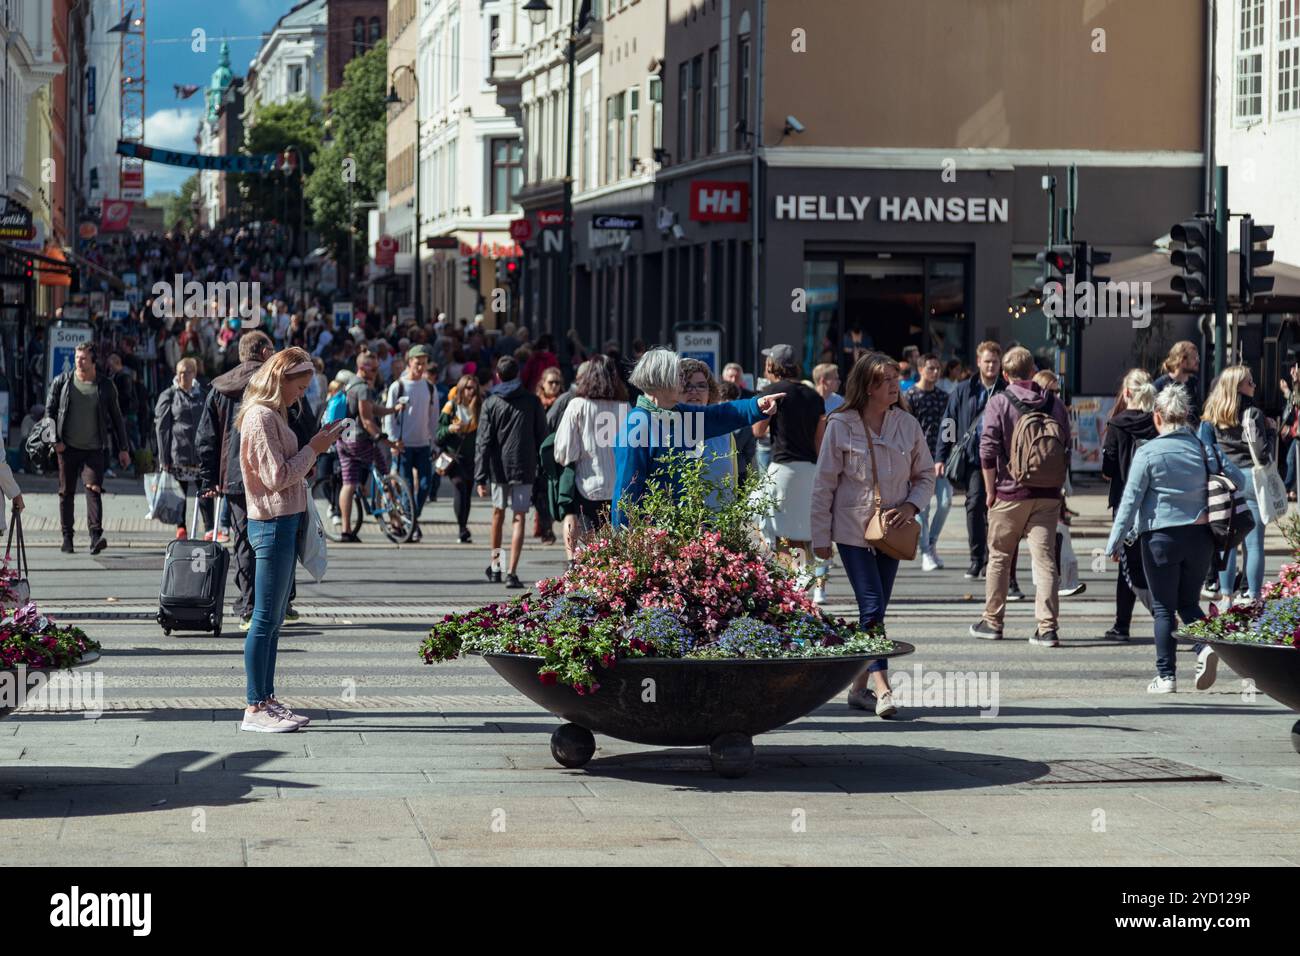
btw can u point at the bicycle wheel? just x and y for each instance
(326, 504)
(393, 507)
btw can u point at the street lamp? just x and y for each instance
(394, 100)
(537, 11)
(288, 167)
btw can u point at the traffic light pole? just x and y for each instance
(1220, 267)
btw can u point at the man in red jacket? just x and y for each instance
(1025, 458)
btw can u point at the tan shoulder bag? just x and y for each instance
(899, 542)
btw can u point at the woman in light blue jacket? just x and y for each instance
(1165, 505)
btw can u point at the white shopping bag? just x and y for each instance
(1069, 569)
(311, 541)
(166, 501)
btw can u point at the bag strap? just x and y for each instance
(16, 525)
(875, 476)
(1248, 430)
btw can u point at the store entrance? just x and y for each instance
(894, 300)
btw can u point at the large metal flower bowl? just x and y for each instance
(1275, 669)
(677, 702)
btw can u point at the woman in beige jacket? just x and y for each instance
(872, 419)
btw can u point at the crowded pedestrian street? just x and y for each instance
(674, 433)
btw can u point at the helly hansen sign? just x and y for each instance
(714, 201)
(892, 208)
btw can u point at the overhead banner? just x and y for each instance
(226, 164)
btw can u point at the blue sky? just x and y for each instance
(169, 122)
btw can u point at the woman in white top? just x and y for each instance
(585, 439)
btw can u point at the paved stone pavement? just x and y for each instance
(410, 764)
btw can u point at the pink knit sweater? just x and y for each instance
(272, 464)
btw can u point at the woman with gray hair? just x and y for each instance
(1165, 507)
(660, 424)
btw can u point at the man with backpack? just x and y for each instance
(1024, 458)
(414, 431)
(219, 470)
(87, 419)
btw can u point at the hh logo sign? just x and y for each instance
(714, 201)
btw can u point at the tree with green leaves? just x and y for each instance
(352, 167)
(277, 127)
(178, 207)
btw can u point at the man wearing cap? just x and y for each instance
(793, 431)
(414, 429)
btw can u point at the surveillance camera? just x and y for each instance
(678, 231)
(793, 124)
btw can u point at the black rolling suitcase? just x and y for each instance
(193, 595)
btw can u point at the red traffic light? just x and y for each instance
(512, 266)
(29, 268)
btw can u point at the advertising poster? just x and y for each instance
(1088, 417)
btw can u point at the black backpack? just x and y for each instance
(40, 446)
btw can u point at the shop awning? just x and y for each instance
(1155, 267)
(56, 271)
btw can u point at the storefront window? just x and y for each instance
(945, 296)
(822, 301)
(1028, 325)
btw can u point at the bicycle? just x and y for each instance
(386, 497)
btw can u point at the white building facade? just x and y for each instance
(471, 161)
(1257, 115)
(291, 62)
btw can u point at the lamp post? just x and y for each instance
(537, 11)
(392, 100)
(302, 218)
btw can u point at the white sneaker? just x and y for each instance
(929, 562)
(934, 556)
(1163, 685)
(885, 706)
(266, 721)
(1242, 599)
(1207, 667)
(280, 710)
(819, 594)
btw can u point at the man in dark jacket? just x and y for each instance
(87, 419)
(511, 427)
(219, 471)
(963, 415)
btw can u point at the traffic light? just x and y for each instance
(1086, 258)
(29, 269)
(1196, 259)
(1252, 259)
(1057, 263)
(510, 268)
(469, 271)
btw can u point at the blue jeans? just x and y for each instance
(942, 505)
(872, 576)
(1254, 545)
(419, 460)
(1175, 560)
(275, 547)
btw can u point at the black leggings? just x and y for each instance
(462, 481)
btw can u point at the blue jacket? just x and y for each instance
(637, 456)
(961, 412)
(1165, 488)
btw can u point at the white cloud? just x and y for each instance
(173, 128)
(170, 129)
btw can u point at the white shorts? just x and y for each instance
(518, 498)
(793, 484)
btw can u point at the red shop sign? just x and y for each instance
(716, 201)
